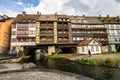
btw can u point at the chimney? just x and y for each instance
(83, 15)
(108, 16)
(24, 13)
(56, 14)
(118, 17)
(99, 16)
(38, 13)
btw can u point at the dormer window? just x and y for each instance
(29, 20)
(60, 19)
(23, 20)
(33, 20)
(64, 19)
(79, 20)
(68, 19)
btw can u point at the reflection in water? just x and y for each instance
(97, 73)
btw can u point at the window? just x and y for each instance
(68, 19)
(82, 48)
(97, 48)
(92, 48)
(6, 35)
(13, 40)
(60, 19)
(13, 32)
(5, 42)
(64, 20)
(13, 26)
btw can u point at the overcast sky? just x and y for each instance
(70, 7)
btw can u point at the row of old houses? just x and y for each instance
(71, 34)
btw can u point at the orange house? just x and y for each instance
(5, 32)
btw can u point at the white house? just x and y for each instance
(93, 45)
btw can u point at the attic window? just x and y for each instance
(93, 41)
(23, 20)
(68, 19)
(33, 20)
(46, 16)
(60, 19)
(64, 19)
(29, 20)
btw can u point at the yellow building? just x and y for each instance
(5, 32)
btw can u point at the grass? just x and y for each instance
(111, 53)
(108, 62)
(56, 56)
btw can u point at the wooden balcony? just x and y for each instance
(46, 34)
(22, 36)
(46, 27)
(47, 42)
(88, 29)
(63, 35)
(62, 27)
(63, 41)
(82, 35)
(21, 29)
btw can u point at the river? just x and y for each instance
(95, 72)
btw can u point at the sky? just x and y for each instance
(69, 7)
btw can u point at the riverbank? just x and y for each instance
(108, 60)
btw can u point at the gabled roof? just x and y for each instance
(3, 18)
(47, 17)
(85, 42)
(93, 20)
(25, 18)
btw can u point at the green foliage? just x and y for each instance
(56, 56)
(108, 62)
(86, 61)
(111, 53)
(23, 59)
(112, 62)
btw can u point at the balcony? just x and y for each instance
(46, 42)
(22, 36)
(46, 34)
(62, 26)
(25, 43)
(21, 29)
(63, 41)
(46, 27)
(63, 35)
(99, 28)
(82, 35)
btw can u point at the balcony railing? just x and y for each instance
(63, 27)
(82, 34)
(63, 35)
(46, 41)
(22, 36)
(63, 41)
(46, 27)
(46, 34)
(21, 29)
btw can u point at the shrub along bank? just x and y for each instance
(108, 62)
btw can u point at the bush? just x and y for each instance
(112, 62)
(56, 56)
(86, 61)
(108, 62)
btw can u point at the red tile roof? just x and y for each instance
(85, 42)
